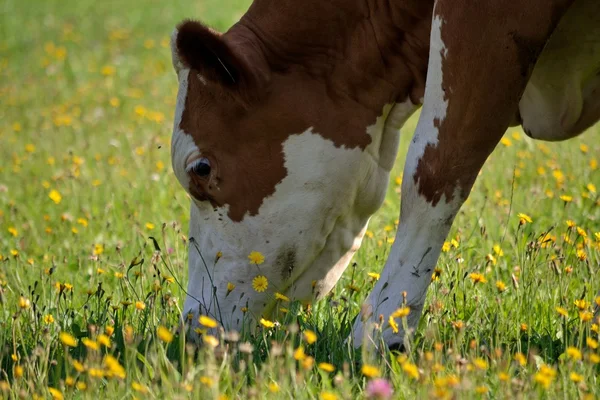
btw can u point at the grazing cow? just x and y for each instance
(287, 127)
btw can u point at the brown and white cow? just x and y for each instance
(287, 127)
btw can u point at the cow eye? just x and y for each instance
(200, 167)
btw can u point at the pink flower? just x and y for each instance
(379, 389)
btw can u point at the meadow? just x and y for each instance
(93, 244)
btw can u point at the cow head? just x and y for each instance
(275, 163)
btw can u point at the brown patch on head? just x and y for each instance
(485, 70)
(326, 65)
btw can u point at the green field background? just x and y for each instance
(87, 95)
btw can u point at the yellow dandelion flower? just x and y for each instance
(370, 371)
(573, 353)
(230, 287)
(566, 198)
(55, 196)
(103, 340)
(581, 304)
(13, 231)
(575, 377)
(273, 387)
(585, 316)
(309, 336)
(24, 303)
(373, 275)
(164, 334)
(591, 343)
(138, 387)
(501, 286)
(591, 187)
(260, 283)
(68, 339)
(477, 277)
(326, 367)
(55, 393)
(595, 358)
(210, 340)
(393, 324)
(581, 254)
(266, 323)
(299, 354)
(256, 258)
(401, 312)
(480, 363)
(140, 305)
(498, 250)
(410, 369)
(524, 219)
(207, 321)
(328, 396)
(149, 226)
(281, 297)
(48, 319)
(108, 70)
(521, 359)
(90, 344)
(562, 311)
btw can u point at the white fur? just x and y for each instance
(319, 211)
(423, 227)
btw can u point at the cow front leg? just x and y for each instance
(476, 75)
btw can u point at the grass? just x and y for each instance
(90, 304)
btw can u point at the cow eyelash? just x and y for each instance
(200, 167)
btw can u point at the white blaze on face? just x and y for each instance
(307, 230)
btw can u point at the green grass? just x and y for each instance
(87, 95)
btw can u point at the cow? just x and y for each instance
(286, 128)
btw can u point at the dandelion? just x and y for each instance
(373, 275)
(573, 353)
(591, 187)
(273, 387)
(328, 396)
(326, 367)
(90, 344)
(266, 323)
(506, 141)
(595, 358)
(140, 305)
(113, 367)
(401, 312)
(480, 363)
(309, 336)
(260, 283)
(55, 196)
(230, 287)
(103, 340)
(591, 343)
(545, 376)
(581, 304)
(566, 198)
(521, 359)
(149, 226)
(581, 254)
(55, 393)
(299, 354)
(48, 319)
(501, 286)
(446, 247)
(13, 231)
(524, 219)
(524, 327)
(281, 297)
(210, 340)
(164, 334)
(108, 70)
(67, 339)
(370, 371)
(477, 278)
(585, 316)
(138, 387)
(24, 303)
(256, 258)
(393, 324)
(410, 369)
(207, 321)
(498, 250)
(575, 377)
(562, 311)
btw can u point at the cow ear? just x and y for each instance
(205, 50)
